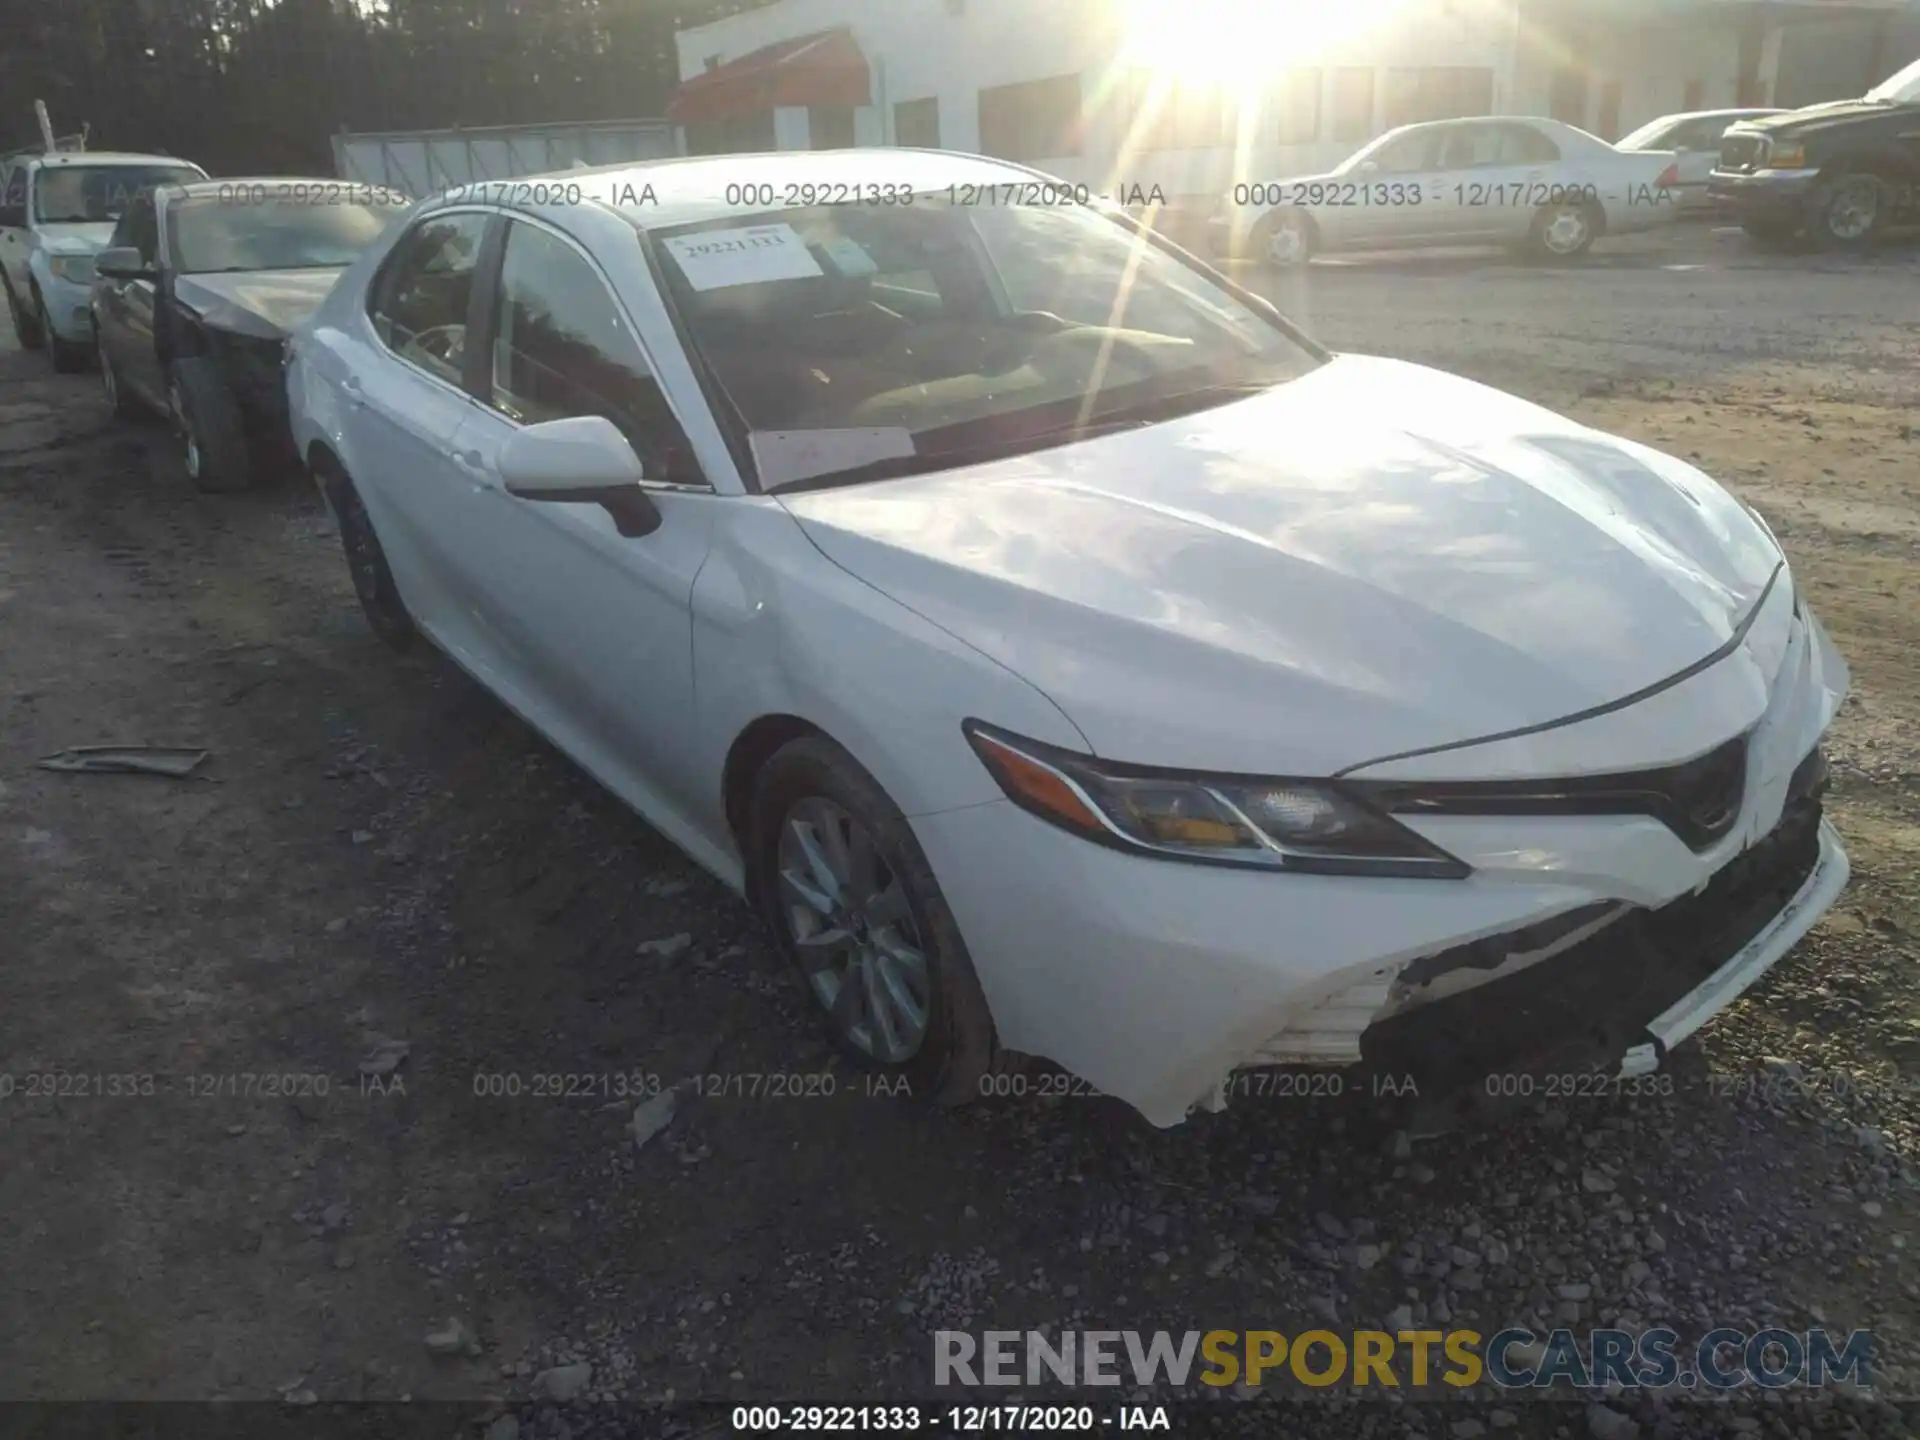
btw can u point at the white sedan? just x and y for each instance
(1694, 139)
(1064, 654)
(1510, 180)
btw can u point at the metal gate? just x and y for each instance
(422, 162)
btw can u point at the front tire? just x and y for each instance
(26, 324)
(373, 583)
(1564, 231)
(840, 880)
(69, 357)
(206, 417)
(1850, 211)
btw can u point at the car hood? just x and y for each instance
(1371, 559)
(75, 238)
(1813, 118)
(266, 303)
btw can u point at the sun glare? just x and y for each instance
(1241, 42)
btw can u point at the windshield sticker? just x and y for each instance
(784, 456)
(850, 258)
(743, 255)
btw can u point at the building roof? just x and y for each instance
(824, 68)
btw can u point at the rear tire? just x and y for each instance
(813, 799)
(125, 405)
(213, 437)
(373, 583)
(1287, 241)
(69, 357)
(26, 325)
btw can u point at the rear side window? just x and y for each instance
(419, 305)
(1523, 145)
(562, 348)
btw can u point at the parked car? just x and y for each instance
(1508, 180)
(1841, 173)
(1104, 672)
(197, 291)
(56, 211)
(1694, 139)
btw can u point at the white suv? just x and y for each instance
(56, 212)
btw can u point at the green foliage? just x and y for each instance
(259, 85)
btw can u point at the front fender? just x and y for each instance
(779, 629)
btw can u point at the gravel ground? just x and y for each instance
(387, 889)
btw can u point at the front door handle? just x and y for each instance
(471, 461)
(355, 396)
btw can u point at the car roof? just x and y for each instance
(686, 189)
(1713, 114)
(61, 158)
(1558, 129)
(228, 182)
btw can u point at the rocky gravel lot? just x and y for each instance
(389, 892)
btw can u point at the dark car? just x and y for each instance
(197, 291)
(1842, 173)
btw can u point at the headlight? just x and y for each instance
(74, 269)
(1787, 157)
(1268, 824)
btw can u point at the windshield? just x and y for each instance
(212, 233)
(858, 341)
(66, 194)
(1902, 88)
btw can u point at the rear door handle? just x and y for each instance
(355, 396)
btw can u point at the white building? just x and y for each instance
(1083, 89)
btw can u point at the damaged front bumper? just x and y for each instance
(1614, 1003)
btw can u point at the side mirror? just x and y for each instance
(583, 460)
(13, 215)
(122, 262)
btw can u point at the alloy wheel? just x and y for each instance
(847, 915)
(1566, 229)
(1287, 245)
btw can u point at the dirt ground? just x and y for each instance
(217, 1203)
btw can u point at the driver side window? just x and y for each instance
(419, 306)
(563, 348)
(1408, 155)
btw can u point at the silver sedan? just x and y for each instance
(1494, 180)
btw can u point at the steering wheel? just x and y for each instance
(444, 345)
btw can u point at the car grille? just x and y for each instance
(1597, 996)
(1698, 800)
(1743, 152)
